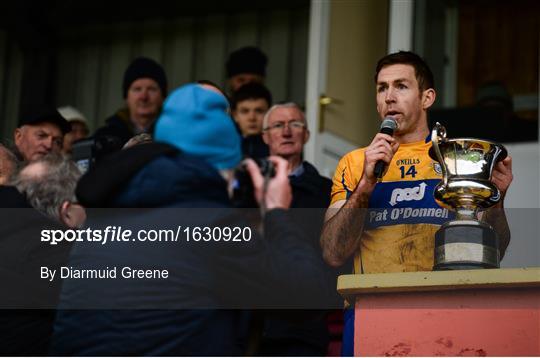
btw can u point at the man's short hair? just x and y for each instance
(423, 73)
(251, 91)
(282, 105)
(47, 191)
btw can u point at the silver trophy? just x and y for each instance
(466, 164)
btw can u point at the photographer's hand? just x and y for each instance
(278, 193)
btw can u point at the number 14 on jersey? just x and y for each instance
(410, 172)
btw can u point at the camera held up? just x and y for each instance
(243, 191)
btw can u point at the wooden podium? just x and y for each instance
(491, 312)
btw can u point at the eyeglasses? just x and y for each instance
(280, 126)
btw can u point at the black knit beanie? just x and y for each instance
(247, 60)
(143, 67)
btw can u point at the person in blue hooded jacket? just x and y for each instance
(184, 179)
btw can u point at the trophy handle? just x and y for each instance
(438, 134)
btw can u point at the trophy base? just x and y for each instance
(466, 245)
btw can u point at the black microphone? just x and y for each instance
(388, 126)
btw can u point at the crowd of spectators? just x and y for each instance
(182, 150)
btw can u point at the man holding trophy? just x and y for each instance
(393, 204)
(383, 208)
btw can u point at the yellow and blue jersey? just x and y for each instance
(400, 225)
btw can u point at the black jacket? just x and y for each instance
(310, 189)
(11, 198)
(118, 129)
(254, 147)
(304, 332)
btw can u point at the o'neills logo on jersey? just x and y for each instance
(408, 161)
(408, 194)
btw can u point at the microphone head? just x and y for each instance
(389, 123)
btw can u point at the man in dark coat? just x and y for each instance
(144, 89)
(183, 180)
(286, 133)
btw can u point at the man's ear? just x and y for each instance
(17, 136)
(265, 137)
(306, 136)
(72, 215)
(428, 98)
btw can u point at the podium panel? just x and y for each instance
(446, 313)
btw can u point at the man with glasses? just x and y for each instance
(285, 131)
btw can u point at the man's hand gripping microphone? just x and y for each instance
(388, 126)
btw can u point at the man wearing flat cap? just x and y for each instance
(144, 89)
(39, 133)
(245, 65)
